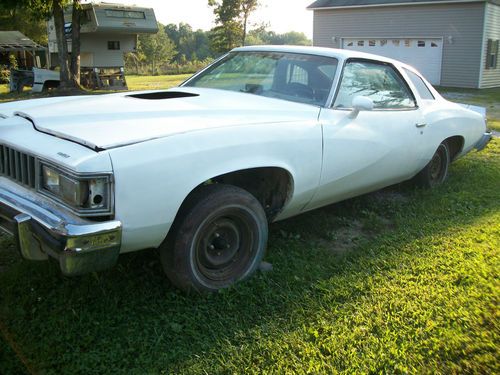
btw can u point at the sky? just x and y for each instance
(281, 15)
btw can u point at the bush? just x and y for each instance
(188, 67)
(4, 74)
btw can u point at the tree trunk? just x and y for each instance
(245, 20)
(75, 43)
(62, 45)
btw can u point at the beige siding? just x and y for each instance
(462, 22)
(97, 45)
(491, 77)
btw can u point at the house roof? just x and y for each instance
(17, 41)
(333, 4)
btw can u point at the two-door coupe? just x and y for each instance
(198, 171)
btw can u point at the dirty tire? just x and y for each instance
(436, 171)
(218, 239)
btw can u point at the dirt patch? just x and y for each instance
(346, 238)
(356, 232)
(390, 196)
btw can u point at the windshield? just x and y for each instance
(289, 76)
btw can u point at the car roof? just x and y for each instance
(341, 54)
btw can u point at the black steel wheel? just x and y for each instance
(436, 171)
(219, 239)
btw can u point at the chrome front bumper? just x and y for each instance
(41, 229)
(483, 142)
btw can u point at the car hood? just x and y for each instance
(108, 121)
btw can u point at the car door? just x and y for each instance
(374, 148)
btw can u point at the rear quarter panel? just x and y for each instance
(446, 119)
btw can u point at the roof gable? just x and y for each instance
(321, 4)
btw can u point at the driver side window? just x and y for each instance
(379, 82)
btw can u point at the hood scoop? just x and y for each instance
(162, 95)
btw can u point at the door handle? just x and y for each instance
(420, 125)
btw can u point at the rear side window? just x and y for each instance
(420, 85)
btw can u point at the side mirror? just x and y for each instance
(360, 103)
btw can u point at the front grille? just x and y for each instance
(17, 166)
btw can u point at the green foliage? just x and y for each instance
(157, 48)
(190, 45)
(13, 62)
(5, 69)
(29, 20)
(231, 17)
(41, 10)
(263, 36)
(4, 74)
(225, 37)
(181, 51)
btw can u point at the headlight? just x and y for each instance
(88, 195)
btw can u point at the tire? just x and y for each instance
(436, 171)
(21, 84)
(218, 239)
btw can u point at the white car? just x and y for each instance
(198, 171)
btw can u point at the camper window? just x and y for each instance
(124, 14)
(114, 45)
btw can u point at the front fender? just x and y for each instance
(152, 179)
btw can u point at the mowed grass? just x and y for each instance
(155, 82)
(399, 281)
(134, 83)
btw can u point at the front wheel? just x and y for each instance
(219, 239)
(436, 171)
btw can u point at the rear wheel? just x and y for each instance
(436, 171)
(219, 239)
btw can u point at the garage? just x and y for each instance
(451, 42)
(425, 54)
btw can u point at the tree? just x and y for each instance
(263, 36)
(247, 7)
(62, 45)
(193, 45)
(75, 41)
(202, 45)
(43, 9)
(157, 48)
(26, 20)
(231, 17)
(136, 58)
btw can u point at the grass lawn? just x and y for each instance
(134, 83)
(399, 281)
(155, 82)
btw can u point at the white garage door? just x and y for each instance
(425, 54)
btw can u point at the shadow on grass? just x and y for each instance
(130, 319)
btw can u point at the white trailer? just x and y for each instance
(107, 32)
